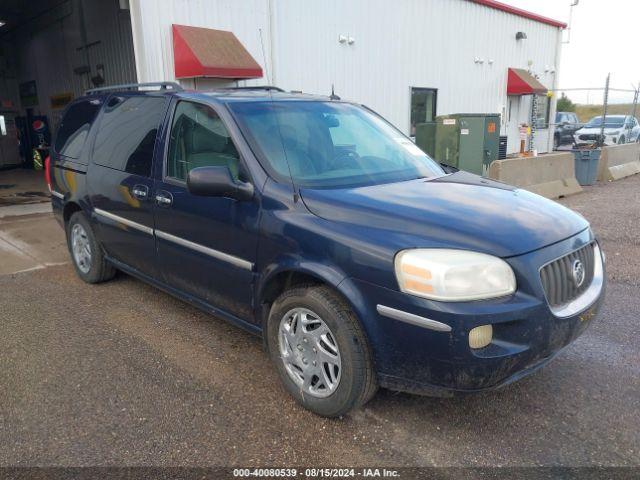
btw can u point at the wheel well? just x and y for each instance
(285, 281)
(277, 285)
(69, 209)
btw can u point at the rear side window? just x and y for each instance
(127, 133)
(75, 126)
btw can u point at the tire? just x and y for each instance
(356, 383)
(556, 142)
(96, 269)
(622, 140)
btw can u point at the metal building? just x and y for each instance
(409, 59)
(51, 51)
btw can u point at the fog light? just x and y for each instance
(480, 336)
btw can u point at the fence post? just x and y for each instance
(600, 142)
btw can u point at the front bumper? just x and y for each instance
(436, 361)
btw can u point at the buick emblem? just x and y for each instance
(577, 272)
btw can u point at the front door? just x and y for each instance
(206, 245)
(513, 125)
(120, 185)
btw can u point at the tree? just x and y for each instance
(565, 104)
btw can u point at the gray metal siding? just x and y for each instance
(49, 53)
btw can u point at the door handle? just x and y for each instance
(140, 191)
(164, 199)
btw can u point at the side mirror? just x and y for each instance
(217, 182)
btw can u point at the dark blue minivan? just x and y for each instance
(316, 224)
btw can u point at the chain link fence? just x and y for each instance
(579, 106)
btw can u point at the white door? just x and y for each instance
(9, 150)
(513, 124)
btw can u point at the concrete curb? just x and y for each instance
(619, 161)
(551, 176)
(25, 209)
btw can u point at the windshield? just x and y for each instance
(330, 144)
(611, 122)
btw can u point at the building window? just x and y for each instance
(423, 106)
(542, 116)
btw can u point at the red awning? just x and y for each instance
(521, 82)
(204, 52)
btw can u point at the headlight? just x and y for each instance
(453, 275)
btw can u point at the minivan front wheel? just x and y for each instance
(320, 351)
(86, 252)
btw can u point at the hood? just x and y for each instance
(596, 130)
(461, 210)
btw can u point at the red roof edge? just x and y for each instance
(519, 12)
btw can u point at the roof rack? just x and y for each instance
(135, 86)
(258, 87)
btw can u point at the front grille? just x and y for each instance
(588, 136)
(558, 279)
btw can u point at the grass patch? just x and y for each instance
(587, 112)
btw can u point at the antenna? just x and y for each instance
(333, 95)
(264, 57)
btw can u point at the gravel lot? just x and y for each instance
(123, 374)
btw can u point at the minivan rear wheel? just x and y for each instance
(320, 351)
(86, 253)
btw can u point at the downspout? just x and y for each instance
(272, 43)
(138, 40)
(554, 89)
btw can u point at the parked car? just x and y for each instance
(317, 225)
(566, 125)
(618, 129)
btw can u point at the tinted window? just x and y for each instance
(127, 133)
(75, 126)
(199, 139)
(561, 117)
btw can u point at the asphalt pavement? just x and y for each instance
(122, 374)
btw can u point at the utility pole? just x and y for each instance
(635, 101)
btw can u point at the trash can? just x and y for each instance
(586, 162)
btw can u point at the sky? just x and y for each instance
(604, 38)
